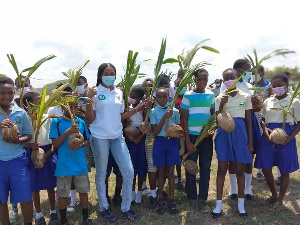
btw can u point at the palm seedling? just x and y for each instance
(257, 101)
(278, 135)
(29, 70)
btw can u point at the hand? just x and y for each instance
(73, 129)
(224, 99)
(141, 106)
(148, 103)
(251, 149)
(91, 92)
(35, 146)
(190, 147)
(169, 113)
(267, 133)
(139, 139)
(6, 123)
(210, 133)
(289, 138)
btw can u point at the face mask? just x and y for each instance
(80, 89)
(109, 80)
(25, 90)
(228, 83)
(247, 76)
(165, 106)
(131, 101)
(258, 77)
(183, 90)
(279, 91)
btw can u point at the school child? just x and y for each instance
(256, 117)
(216, 89)
(165, 82)
(137, 147)
(71, 164)
(236, 146)
(165, 149)
(197, 107)
(181, 146)
(284, 156)
(14, 170)
(152, 170)
(43, 178)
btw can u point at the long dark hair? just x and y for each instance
(101, 69)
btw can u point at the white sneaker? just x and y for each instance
(13, 216)
(72, 206)
(146, 192)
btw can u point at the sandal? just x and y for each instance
(271, 200)
(277, 207)
(172, 207)
(161, 206)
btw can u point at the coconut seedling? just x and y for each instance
(257, 101)
(279, 136)
(29, 71)
(9, 133)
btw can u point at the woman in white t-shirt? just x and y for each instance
(105, 118)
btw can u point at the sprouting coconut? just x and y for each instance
(38, 158)
(145, 127)
(278, 136)
(257, 102)
(191, 167)
(131, 133)
(173, 131)
(9, 133)
(225, 122)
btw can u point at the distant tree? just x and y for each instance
(2, 75)
(295, 72)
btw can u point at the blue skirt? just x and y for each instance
(284, 157)
(233, 147)
(255, 133)
(43, 179)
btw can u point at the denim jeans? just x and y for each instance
(119, 150)
(205, 151)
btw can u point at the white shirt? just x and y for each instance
(243, 84)
(236, 105)
(136, 119)
(108, 107)
(43, 137)
(55, 110)
(276, 116)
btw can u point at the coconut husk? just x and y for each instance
(38, 158)
(226, 122)
(174, 131)
(278, 136)
(10, 133)
(131, 133)
(75, 141)
(191, 167)
(145, 127)
(257, 102)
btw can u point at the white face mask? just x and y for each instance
(80, 89)
(258, 78)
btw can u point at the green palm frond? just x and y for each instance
(210, 126)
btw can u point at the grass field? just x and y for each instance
(258, 211)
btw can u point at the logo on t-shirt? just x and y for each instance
(241, 102)
(101, 97)
(18, 120)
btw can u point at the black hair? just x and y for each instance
(101, 69)
(177, 82)
(281, 76)
(286, 73)
(261, 69)
(83, 78)
(199, 71)
(240, 63)
(146, 80)
(138, 89)
(28, 97)
(162, 88)
(230, 69)
(67, 89)
(6, 80)
(166, 76)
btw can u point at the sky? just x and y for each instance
(104, 31)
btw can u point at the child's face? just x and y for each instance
(74, 106)
(108, 71)
(18, 86)
(36, 100)
(135, 96)
(6, 94)
(164, 83)
(243, 69)
(162, 97)
(278, 83)
(81, 82)
(201, 81)
(229, 75)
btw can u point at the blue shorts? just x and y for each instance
(255, 132)
(112, 165)
(15, 180)
(284, 157)
(165, 152)
(138, 157)
(233, 147)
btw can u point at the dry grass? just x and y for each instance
(258, 211)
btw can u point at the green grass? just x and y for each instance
(258, 211)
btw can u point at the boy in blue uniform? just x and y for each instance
(71, 163)
(165, 150)
(14, 171)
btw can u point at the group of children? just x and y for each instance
(153, 154)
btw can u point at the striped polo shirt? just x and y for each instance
(198, 105)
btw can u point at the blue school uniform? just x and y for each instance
(256, 134)
(165, 150)
(138, 157)
(70, 162)
(284, 157)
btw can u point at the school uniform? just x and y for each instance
(70, 163)
(165, 150)
(14, 163)
(233, 146)
(269, 154)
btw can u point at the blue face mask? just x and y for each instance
(183, 90)
(164, 107)
(247, 76)
(109, 80)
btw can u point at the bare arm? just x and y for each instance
(126, 115)
(56, 142)
(156, 128)
(90, 114)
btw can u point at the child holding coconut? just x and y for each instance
(235, 146)
(71, 163)
(284, 155)
(165, 149)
